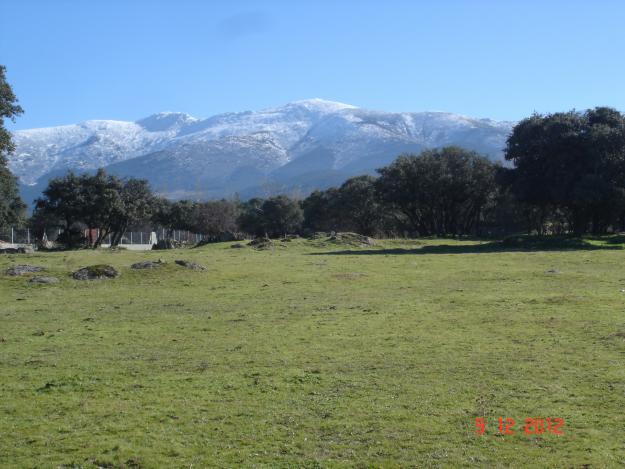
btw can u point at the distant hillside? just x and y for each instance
(293, 148)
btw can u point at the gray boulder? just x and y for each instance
(22, 269)
(261, 243)
(190, 265)
(96, 272)
(352, 239)
(259, 240)
(148, 264)
(45, 280)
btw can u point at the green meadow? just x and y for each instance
(313, 354)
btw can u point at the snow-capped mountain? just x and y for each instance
(299, 146)
(91, 144)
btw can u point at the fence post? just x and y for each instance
(141, 237)
(11, 235)
(131, 237)
(28, 235)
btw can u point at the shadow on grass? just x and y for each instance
(512, 244)
(611, 239)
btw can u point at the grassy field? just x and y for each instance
(316, 355)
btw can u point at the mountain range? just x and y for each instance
(295, 148)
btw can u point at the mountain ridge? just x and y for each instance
(242, 152)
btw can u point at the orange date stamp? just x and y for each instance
(532, 426)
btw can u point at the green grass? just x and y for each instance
(316, 355)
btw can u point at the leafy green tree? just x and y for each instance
(99, 201)
(441, 191)
(281, 215)
(11, 206)
(571, 163)
(504, 213)
(182, 215)
(360, 207)
(322, 211)
(131, 203)
(354, 206)
(216, 218)
(250, 219)
(179, 215)
(62, 203)
(273, 217)
(160, 212)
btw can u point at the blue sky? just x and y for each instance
(70, 61)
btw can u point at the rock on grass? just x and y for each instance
(352, 239)
(22, 269)
(190, 265)
(42, 279)
(148, 264)
(261, 243)
(96, 272)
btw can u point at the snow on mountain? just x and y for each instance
(87, 145)
(362, 140)
(243, 151)
(208, 168)
(288, 124)
(171, 122)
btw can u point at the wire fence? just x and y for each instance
(16, 236)
(26, 236)
(152, 237)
